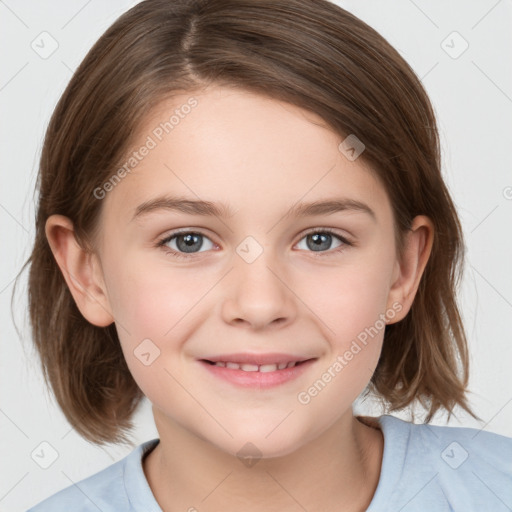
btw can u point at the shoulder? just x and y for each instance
(105, 490)
(462, 468)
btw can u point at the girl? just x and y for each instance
(242, 218)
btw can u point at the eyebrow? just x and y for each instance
(208, 208)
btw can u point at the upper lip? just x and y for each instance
(259, 359)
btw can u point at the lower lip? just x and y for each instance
(260, 380)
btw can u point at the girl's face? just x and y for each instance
(258, 278)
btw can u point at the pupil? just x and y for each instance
(318, 239)
(188, 242)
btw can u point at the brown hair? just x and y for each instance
(310, 53)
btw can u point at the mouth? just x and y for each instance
(263, 368)
(257, 371)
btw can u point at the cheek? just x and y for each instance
(156, 309)
(349, 298)
(150, 313)
(150, 299)
(351, 312)
(350, 303)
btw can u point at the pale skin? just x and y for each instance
(260, 157)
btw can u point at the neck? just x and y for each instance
(339, 470)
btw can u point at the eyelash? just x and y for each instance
(176, 254)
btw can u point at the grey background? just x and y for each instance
(472, 96)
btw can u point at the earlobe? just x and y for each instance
(417, 248)
(80, 270)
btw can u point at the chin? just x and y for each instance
(248, 445)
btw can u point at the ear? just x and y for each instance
(407, 275)
(81, 270)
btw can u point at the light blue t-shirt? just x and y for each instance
(425, 468)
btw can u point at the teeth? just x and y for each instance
(249, 367)
(268, 367)
(255, 368)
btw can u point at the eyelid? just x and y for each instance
(325, 229)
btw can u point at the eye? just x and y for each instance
(322, 238)
(184, 242)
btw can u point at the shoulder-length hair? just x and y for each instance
(310, 53)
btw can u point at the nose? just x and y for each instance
(258, 295)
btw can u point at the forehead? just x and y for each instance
(251, 152)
